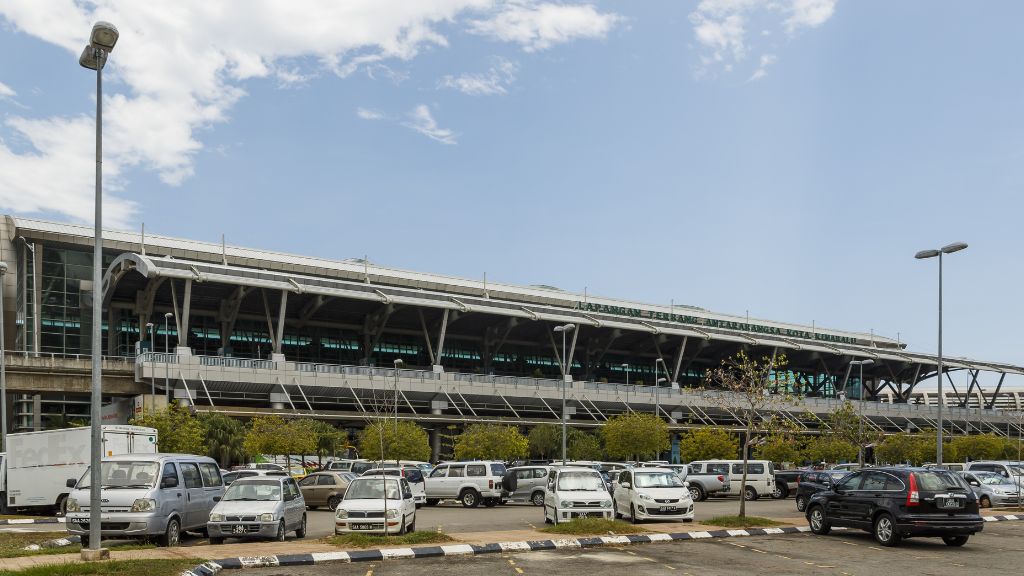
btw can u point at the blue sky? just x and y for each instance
(785, 158)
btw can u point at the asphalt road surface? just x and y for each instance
(997, 550)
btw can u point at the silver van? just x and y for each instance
(148, 496)
(530, 484)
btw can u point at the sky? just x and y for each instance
(782, 158)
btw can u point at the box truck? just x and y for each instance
(35, 469)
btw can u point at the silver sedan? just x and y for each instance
(992, 489)
(258, 507)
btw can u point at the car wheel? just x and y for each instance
(433, 501)
(401, 527)
(412, 525)
(801, 503)
(469, 499)
(955, 540)
(85, 542)
(749, 493)
(985, 502)
(537, 498)
(333, 502)
(280, 532)
(780, 492)
(172, 536)
(818, 521)
(301, 532)
(215, 540)
(62, 505)
(885, 531)
(632, 514)
(697, 493)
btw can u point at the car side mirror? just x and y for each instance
(407, 495)
(624, 484)
(974, 483)
(686, 484)
(71, 483)
(169, 482)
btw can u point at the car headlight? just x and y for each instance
(144, 505)
(565, 504)
(215, 517)
(646, 497)
(606, 503)
(341, 513)
(72, 505)
(268, 517)
(392, 513)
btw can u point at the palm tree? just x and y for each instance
(224, 439)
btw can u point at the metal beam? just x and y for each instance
(679, 359)
(426, 336)
(266, 311)
(280, 322)
(572, 350)
(995, 395)
(187, 307)
(440, 339)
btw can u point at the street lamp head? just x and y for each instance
(92, 58)
(399, 362)
(954, 247)
(660, 380)
(565, 328)
(625, 365)
(926, 254)
(104, 36)
(659, 360)
(149, 324)
(168, 315)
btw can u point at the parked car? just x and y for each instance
(530, 483)
(786, 482)
(813, 481)
(899, 502)
(575, 492)
(376, 504)
(1007, 469)
(325, 488)
(411, 473)
(468, 482)
(850, 467)
(148, 496)
(760, 476)
(652, 493)
(258, 507)
(707, 480)
(232, 476)
(992, 489)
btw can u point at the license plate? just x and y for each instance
(585, 514)
(238, 529)
(360, 526)
(669, 509)
(949, 503)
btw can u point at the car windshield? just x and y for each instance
(253, 490)
(123, 474)
(993, 479)
(938, 480)
(371, 489)
(578, 481)
(657, 480)
(1017, 470)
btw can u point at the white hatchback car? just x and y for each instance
(376, 505)
(652, 493)
(575, 492)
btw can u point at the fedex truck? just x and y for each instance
(35, 469)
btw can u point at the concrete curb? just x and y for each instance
(58, 543)
(18, 521)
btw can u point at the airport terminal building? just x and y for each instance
(248, 331)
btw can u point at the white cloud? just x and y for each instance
(422, 121)
(369, 114)
(539, 26)
(494, 81)
(6, 91)
(721, 28)
(180, 67)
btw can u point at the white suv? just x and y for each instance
(652, 493)
(468, 482)
(575, 492)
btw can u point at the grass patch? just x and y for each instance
(375, 541)
(742, 522)
(115, 568)
(21, 517)
(12, 544)
(593, 526)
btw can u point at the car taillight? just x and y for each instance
(799, 478)
(913, 496)
(490, 484)
(721, 478)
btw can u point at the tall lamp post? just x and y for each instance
(152, 375)
(398, 364)
(626, 366)
(94, 56)
(860, 410)
(923, 254)
(3, 368)
(657, 385)
(167, 360)
(564, 329)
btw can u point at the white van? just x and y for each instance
(148, 496)
(760, 475)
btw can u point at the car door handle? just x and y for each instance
(216, 498)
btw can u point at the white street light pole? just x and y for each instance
(564, 329)
(3, 369)
(923, 254)
(657, 386)
(167, 358)
(152, 375)
(626, 366)
(398, 363)
(101, 42)
(860, 410)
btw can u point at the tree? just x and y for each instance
(708, 444)
(848, 425)
(300, 437)
(177, 429)
(780, 448)
(829, 448)
(266, 436)
(750, 388)
(491, 442)
(582, 445)
(903, 448)
(545, 441)
(225, 438)
(328, 438)
(635, 436)
(978, 447)
(411, 443)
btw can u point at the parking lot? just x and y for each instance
(847, 553)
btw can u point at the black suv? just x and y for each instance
(813, 481)
(897, 503)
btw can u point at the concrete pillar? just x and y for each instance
(37, 412)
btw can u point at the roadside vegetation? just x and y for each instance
(372, 541)
(12, 544)
(593, 527)
(115, 568)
